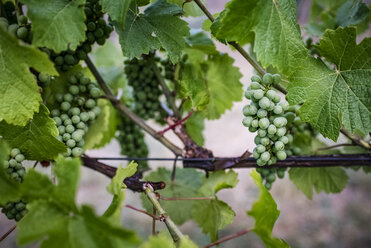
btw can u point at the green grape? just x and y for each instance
(276, 79)
(262, 133)
(66, 136)
(264, 123)
(73, 89)
(71, 143)
(255, 85)
(279, 145)
(278, 110)
(77, 136)
(265, 141)
(272, 129)
(75, 119)
(281, 155)
(284, 140)
(57, 120)
(84, 116)
(260, 148)
(14, 152)
(68, 97)
(264, 103)
(75, 111)
(19, 158)
(281, 131)
(255, 123)
(67, 122)
(94, 92)
(59, 97)
(90, 103)
(267, 79)
(81, 125)
(247, 121)
(265, 156)
(22, 33)
(44, 78)
(61, 130)
(256, 78)
(70, 128)
(91, 115)
(262, 113)
(258, 94)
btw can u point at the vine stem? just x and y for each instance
(127, 112)
(174, 231)
(177, 123)
(356, 139)
(8, 233)
(227, 238)
(242, 51)
(334, 146)
(168, 95)
(142, 211)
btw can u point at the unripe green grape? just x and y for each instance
(22, 33)
(77, 152)
(277, 110)
(57, 120)
(247, 121)
(72, 79)
(68, 97)
(281, 174)
(74, 89)
(69, 59)
(255, 123)
(66, 136)
(297, 121)
(265, 141)
(84, 80)
(262, 133)
(276, 79)
(91, 85)
(75, 119)
(91, 115)
(99, 33)
(252, 110)
(80, 100)
(276, 99)
(260, 162)
(71, 143)
(279, 145)
(59, 97)
(76, 136)
(81, 143)
(264, 103)
(264, 123)
(90, 37)
(255, 86)
(13, 163)
(297, 150)
(245, 110)
(257, 140)
(70, 128)
(82, 88)
(94, 92)
(281, 155)
(84, 116)
(96, 110)
(67, 122)
(284, 140)
(12, 29)
(55, 113)
(265, 156)
(260, 148)
(262, 113)
(272, 129)
(59, 60)
(256, 155)
(44, 78)
(285, 106)
(90, 103)
(61, 130)
(22, 19)
(75, 111)
(267, 79)
(290, 137)
(289, 117)
(271, 178)
(80, 125)
(65, 106)
(14, 152)
(289, 152)
(68, 153)
(252, 129)
(270, 94)
(91, 26)
(281, 131)
(256, 78)
(249, 94)
(280, 121)
(258, 94)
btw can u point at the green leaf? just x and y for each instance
(9, 190)
(335, 97)
(103, 129)
(274, 23)
(265, 213)
(156, 28)
(68, 174)
(159, 241)
(213, 215)
(195, 126)
(108, 55)
(186, 184)
(37, 139)
(19, 92)
(117, 183)
(116, 9)
(351, 13)
(329, 180)
(57, 24)
(201, 41)
(189, 8)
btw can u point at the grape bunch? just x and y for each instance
(269, 175)
(15, 210)
(265, 115)
(131, 139)
(97, 31)
(145, 87)
(78, 108)
(170, 68)
(20, 28)
(15, 171)
(14, 167)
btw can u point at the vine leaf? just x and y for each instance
(53, 215)
(157, 27)
(57, 24)
(277, 37)
(265, 213)
(351, 13)
(204, 82)
(185, 184)
(336, 97)
(104, 127)
(116, 9)
(9, 190)
(330, 180)
(195, 126)
(164, 240)
(37, 140)
(19, 93)
(214, 215)
(115, 188)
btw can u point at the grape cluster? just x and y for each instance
(20, 29)
(14, 167)
(15, 210)
(131, 138)
(265, 115)
(77, 109)
(97, 31)
(145, 87)
(269, 175)
(170, 68)
(15, 171)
